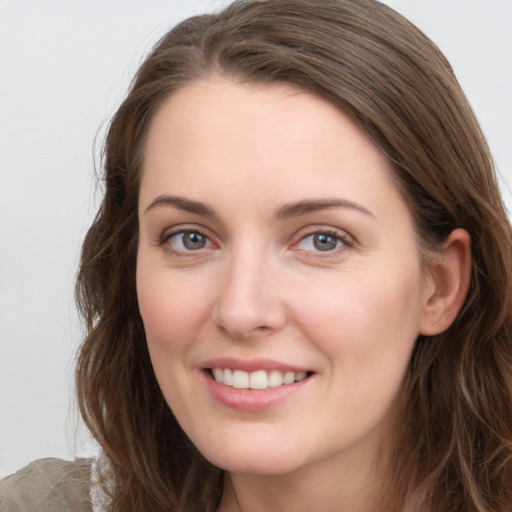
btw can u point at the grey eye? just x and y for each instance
(324, 242)
(193, 240)
(185, 241)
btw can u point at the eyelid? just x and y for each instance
(347, 240)
(168, 233)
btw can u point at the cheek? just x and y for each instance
(171, 310)
(173, 313)
(366, 321)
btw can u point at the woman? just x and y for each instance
(297, 288)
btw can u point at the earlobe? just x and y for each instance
(450, 275)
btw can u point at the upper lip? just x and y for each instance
(252, 365)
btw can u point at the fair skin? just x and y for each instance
(275, 245)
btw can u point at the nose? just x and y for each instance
(249, 303)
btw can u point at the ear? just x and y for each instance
(450, 274)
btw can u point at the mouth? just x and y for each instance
(259, 379)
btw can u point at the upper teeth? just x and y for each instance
(259, 379)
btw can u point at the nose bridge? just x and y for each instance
(248, 300)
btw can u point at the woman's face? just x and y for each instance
(278, 278)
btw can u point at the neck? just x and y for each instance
(357, 489)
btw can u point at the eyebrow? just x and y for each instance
(287, 211)
(181, 203)
(309, 206)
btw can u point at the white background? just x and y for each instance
(64, 67)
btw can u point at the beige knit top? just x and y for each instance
(48, 485)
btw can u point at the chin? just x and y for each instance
(252, 460)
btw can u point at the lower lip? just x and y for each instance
(253, 399)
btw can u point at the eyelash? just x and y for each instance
(166, 237)
(343, 241)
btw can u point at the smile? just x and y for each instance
(260, 379)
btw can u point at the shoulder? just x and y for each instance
(48, 485)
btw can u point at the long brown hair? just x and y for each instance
(454, 432)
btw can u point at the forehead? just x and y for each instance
(220, 103)
(257, 138)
